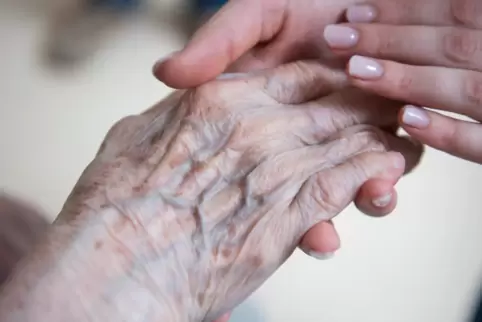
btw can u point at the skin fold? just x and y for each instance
(192, 205)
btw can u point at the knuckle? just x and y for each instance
(371, 139)
(326, 197)
(461, 46)
(472, 90)
(467, 12)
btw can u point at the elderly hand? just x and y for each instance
(427, 53)
(189, 207)
(249, 35)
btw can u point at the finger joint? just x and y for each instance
(461, 46)
(467, 12)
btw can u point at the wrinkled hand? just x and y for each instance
(427, 53)
(212, 190)
(249, 35)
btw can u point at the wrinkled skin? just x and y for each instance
(193, 204)
(270, 33)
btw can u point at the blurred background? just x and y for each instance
(71, 68)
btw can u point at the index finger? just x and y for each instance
(235, 29)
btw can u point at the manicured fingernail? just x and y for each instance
(361, 14)
(163, 60)
(416, 117)
(382, 201)
(341, 37)
(364, 68)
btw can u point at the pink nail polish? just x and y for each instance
(340, 36)
(416, 117)
(361, 14)
(364, 68)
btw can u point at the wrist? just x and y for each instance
(82, 271)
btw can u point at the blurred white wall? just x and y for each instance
(423, 264)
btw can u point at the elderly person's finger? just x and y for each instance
(415, 12)
(224, 318)
(456, 137)
(453, 90)
(320, 193)
(419, 45)
(377, 197)
(321, 241)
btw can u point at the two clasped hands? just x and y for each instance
(287, 111)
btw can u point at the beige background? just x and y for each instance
(423, 264)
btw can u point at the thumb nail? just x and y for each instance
(164, 59)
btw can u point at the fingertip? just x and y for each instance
(321, 241)
(181, 70)
(377, 198)
(224, 318)
(175, 73)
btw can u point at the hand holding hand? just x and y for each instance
(193, 204)
(248, 35)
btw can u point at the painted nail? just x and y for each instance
(361, 14)
(364, 68)
(416, 117)
(341, 37)
(382, 201)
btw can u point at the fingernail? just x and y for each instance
(382, 201)
(340, 36)
(415, 117)
(318, 255)
(364, 68)
(163, 60)
(361, 14)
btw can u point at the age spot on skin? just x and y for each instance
(226, 252)
(98, 245)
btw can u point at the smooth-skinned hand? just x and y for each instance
(426, 53)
